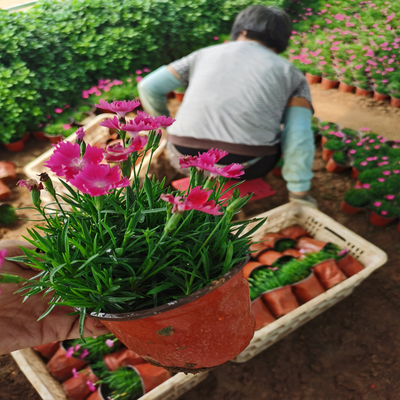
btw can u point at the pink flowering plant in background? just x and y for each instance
(116, 240)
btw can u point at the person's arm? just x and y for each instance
(154, 87)
(298, 148)
(19, 325)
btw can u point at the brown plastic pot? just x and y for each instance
(61, 367)
(313, 79)
(280, 301)
(327, 154)
(354, 173)
(395, 102)
(328, 273)
(307, 289)
(39, 136)
(294, 232)
(151, 376)
(348, 209)
(261, 313)
(269, 239)
(310, 244)
(379, 220)
(15, 146)
(47, 350)
(292, 252)
(327, 84)
(77, 388)
(97, 395)
(363, 92)
(277, 171)
(380, 97)
(345, 88)
(349, 265)
(250, 267)
(179, 96)
(122, 358)
(332, 166)
(190, 334)
(324, 140)
(258, 248)
(54, 138)
(269, 257)
(26, 136)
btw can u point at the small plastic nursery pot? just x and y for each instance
(292, 252)
(77, 388)
(47, 350)
(327, 154)
(277, 171)
(354, 173)
(269, 257)
(54, 138)
(327, 84)
(258, 248)
(328, 273)
(310, 244)
(381, 97)
(261, 313)
(151, 376)
(350, 210)
(280, 301)
(15, 146)
(122, 358)
(294, 232)
(349, 265)
(269, 239)
(308, 288)
(97, 395)
(395, 102)
(345, 88)
(189, 335)
(324, 139)
(61, 367)
(363, 92)
(26, 137)
(379, 220)
(39, 136)
(179, 96)
(333, 166)
(313, 79)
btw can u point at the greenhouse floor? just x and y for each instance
(352, 351)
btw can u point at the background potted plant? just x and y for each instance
(383, 212)
(355, 200)
(330, 147)
(339, 162)
(313, 75)
(179, 93)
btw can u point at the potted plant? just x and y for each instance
(7, 213)
(313, 75)
(381, 92)
(383, 213)
(57, 132)
(294, 232)
(329, 78)
(330, 147)
(348, 264)
(339, 162)
(355, 200)
(179, 93)
(277, 170)
(152, 273)
(363, 89)
(261, 313)
(394, 88)
(122, 358)
(346, 85)
(328, 273)
(15, 142)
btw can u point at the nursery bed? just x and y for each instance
(323, 228)
(49, 389)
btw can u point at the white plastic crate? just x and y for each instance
(324, 228)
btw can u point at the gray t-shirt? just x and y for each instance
(238, 92)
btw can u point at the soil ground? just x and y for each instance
(352, 351)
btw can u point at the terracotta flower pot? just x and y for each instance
(328, 273)
(122, 358)
(348, 209)
(258, 248)
(310, 244)
(261, 313)
(15, 146)
(294, 232)
(26, 136)
(398, 227)
(395, 102)
(327, 84)
(97, 395)
(332, 166)
(349, 265)
(308, 288)
(61, 367)
(39, 136)
(54, 139)
(179, 96)
(280, 301)
(313, 79)
(327, 154)
(77, 388)
(380, 97)
(379, 220)
(151, 376)
(277, 171)
(250, 267)
(47, 350)
(354, 173)
(345, 88)
(269, 257)
(269, 239)
(324, 139)
(292, 252)
(190, 334)
(363, 92)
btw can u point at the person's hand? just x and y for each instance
(304, 198)
(18, 321)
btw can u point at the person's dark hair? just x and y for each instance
(269, 25)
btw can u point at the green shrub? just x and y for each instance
(84, 108)
(7, 214)
(334, 145)
(340, 158)
(384, 208)
(357, 198)
(58, 129)
(284, 244)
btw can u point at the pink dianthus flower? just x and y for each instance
(119, 107)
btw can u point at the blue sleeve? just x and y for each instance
(153, 90)
(298, 149)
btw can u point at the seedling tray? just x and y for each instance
(48, 388)
(324, 228)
